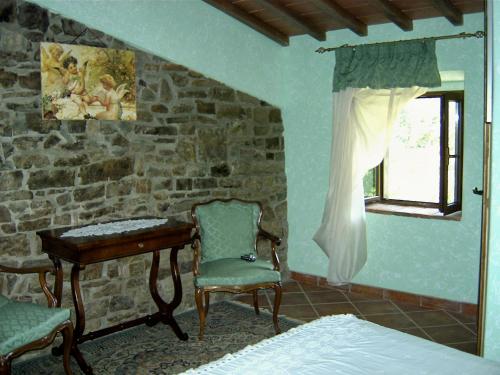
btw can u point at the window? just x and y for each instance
(423, 166)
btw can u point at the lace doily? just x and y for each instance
(114, 227)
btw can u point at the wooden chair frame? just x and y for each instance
(202, 294)
(66, 327)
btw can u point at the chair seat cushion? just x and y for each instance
(22, 323)
(236, 272)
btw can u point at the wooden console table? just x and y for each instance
(81, 251)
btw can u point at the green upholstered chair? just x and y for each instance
(226, 229)
(26, 326)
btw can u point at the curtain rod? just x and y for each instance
(477, 34)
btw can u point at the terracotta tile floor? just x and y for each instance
(307, 302)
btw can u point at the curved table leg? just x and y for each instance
(58, 283)
(165, 313)
(80, 318)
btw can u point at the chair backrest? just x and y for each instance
(3, 300)
(228, 228)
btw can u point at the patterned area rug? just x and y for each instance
(156, 350)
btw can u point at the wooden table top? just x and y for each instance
(92, 249)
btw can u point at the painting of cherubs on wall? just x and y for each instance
(81, 82)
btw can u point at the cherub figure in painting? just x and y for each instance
(111, 99)
(74, 79)
(52, 68)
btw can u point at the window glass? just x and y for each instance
(412, 165)
(370, 183)
(452, 172)
(454, 121)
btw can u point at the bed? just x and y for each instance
(344, 344)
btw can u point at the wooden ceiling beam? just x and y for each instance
(450, 11)
(250, 20)
(342, 16)
(394, 14)
(281, 10)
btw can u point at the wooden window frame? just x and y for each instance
(443, 207)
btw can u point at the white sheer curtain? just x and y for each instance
(362, 129)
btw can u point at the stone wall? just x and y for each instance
(194, 139)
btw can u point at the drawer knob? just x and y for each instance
(140, 244)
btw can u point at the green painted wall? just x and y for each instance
(430, 257)
(492, 320)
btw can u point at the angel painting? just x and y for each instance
(81, 82)
(112, 98)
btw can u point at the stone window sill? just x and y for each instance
(413, 211)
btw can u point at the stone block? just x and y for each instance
(27, 143)
(203, 107)
(165, 91)
(171, 67)
(178, 120)
(4, 215)
(183, 184)
(119, 188)
(7, 79)
(9, 228)
(212, 144)
(119, 140)
(221, 170)
(182, 108)
(205, 183)
(62, 220)
(72, 27)
(18, 195)
(179, 80)
(275, 115)
(261, 130)
(147, 95)
(44, 179)
(231, 111)
(26, 161)
(186, 150)
(75, 127)
(51, 141)
(88, 193)
(11, 180)
(108, 289)
(245, 98)
(31, 81)
(114, 169)
(168, 130)
(261, 115)
(32, 17)
(273, 143)
(96, 309)
(72, 161)
(137, 268)
(119, 303)
(34, 225)
(163, 184)
(8, 11)
(225, 94)
(159, 108)
(196, 94)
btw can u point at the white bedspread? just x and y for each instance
(344, 344)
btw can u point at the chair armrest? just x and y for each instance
(275, 241)
(41, 269)
(36, 268)
(195, 245)
(270, 237)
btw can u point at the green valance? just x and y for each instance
(387, 65)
